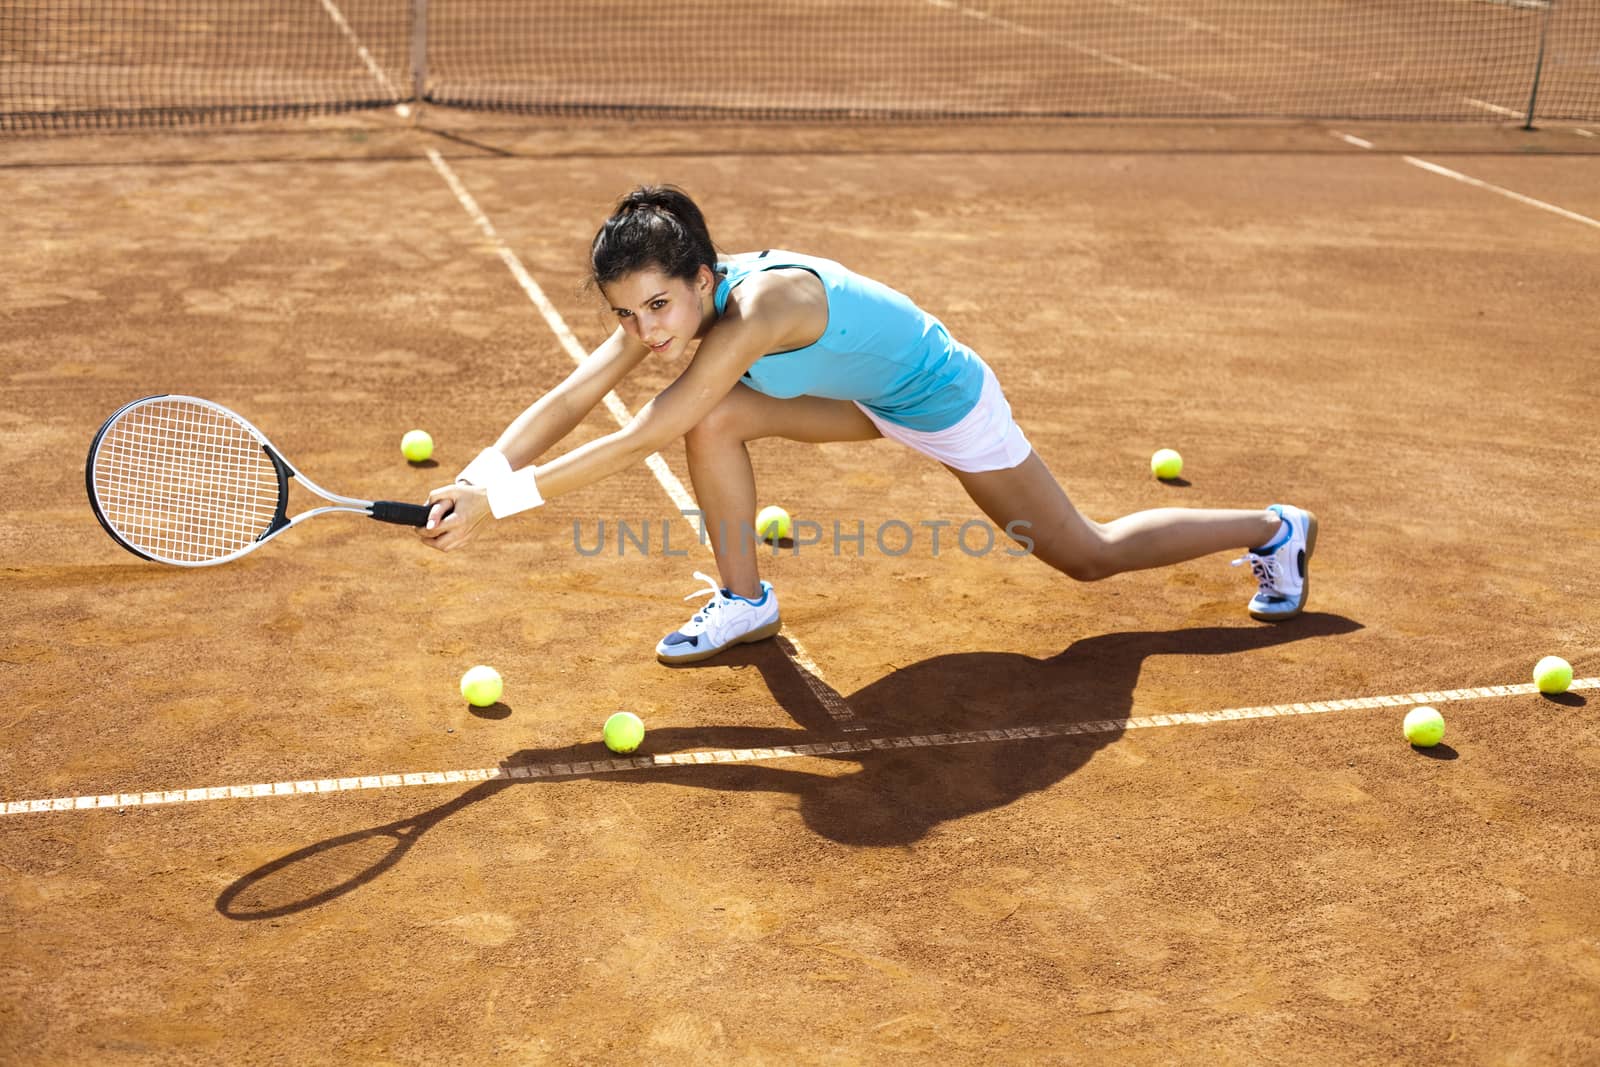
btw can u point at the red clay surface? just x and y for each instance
(1410, 356)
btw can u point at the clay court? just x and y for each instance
(963, 810)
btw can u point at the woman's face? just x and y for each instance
(665, 313)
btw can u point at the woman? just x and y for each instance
(798, 347)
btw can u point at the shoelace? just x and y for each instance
(716, 599)
(1265, 568)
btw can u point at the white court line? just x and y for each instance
(366, 57)
(748, 755)
(1094, 53)
(1496, 109)
(1256, 41)
(1446, 172)
(1206, 27)
(826, 695)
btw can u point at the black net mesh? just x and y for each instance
(68, 64)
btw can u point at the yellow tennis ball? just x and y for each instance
(1424, 727)
(416, 446)
(1552, 675)
(1166, 464)
(772, 523)
(623, 732)
(482, 686)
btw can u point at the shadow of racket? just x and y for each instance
(326, 870)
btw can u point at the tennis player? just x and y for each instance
(787, 345)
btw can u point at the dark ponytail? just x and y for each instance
(653, 226)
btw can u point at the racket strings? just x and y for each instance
(184, 481)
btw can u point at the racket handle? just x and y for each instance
(399, 513)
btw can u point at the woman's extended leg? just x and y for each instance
(1087, 550)
(725, 484)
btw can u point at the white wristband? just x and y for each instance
(490, 466)
(514, 492)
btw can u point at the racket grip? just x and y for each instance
(399, 513)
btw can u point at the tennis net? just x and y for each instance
(71, 64)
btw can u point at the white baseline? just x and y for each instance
(521, 771)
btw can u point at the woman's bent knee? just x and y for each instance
(1089, 559)
(720, 425)
(1086, 568)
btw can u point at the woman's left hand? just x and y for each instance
(454, 515)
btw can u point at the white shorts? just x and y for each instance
(986, 439)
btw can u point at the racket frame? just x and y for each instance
(384, 510)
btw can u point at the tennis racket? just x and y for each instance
(180, 480)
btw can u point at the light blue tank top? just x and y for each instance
(879, 349)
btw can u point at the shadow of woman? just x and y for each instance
(894, 797)
(899, 794)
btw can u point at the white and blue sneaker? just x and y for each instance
(1282, 566)
(727, 619)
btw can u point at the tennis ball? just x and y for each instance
(1424, 727)
(772, 523)
(482, 686)
(1166, 464)
(416, 446)
(1552, 675)
(623, 732)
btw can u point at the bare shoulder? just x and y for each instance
(790, 301)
